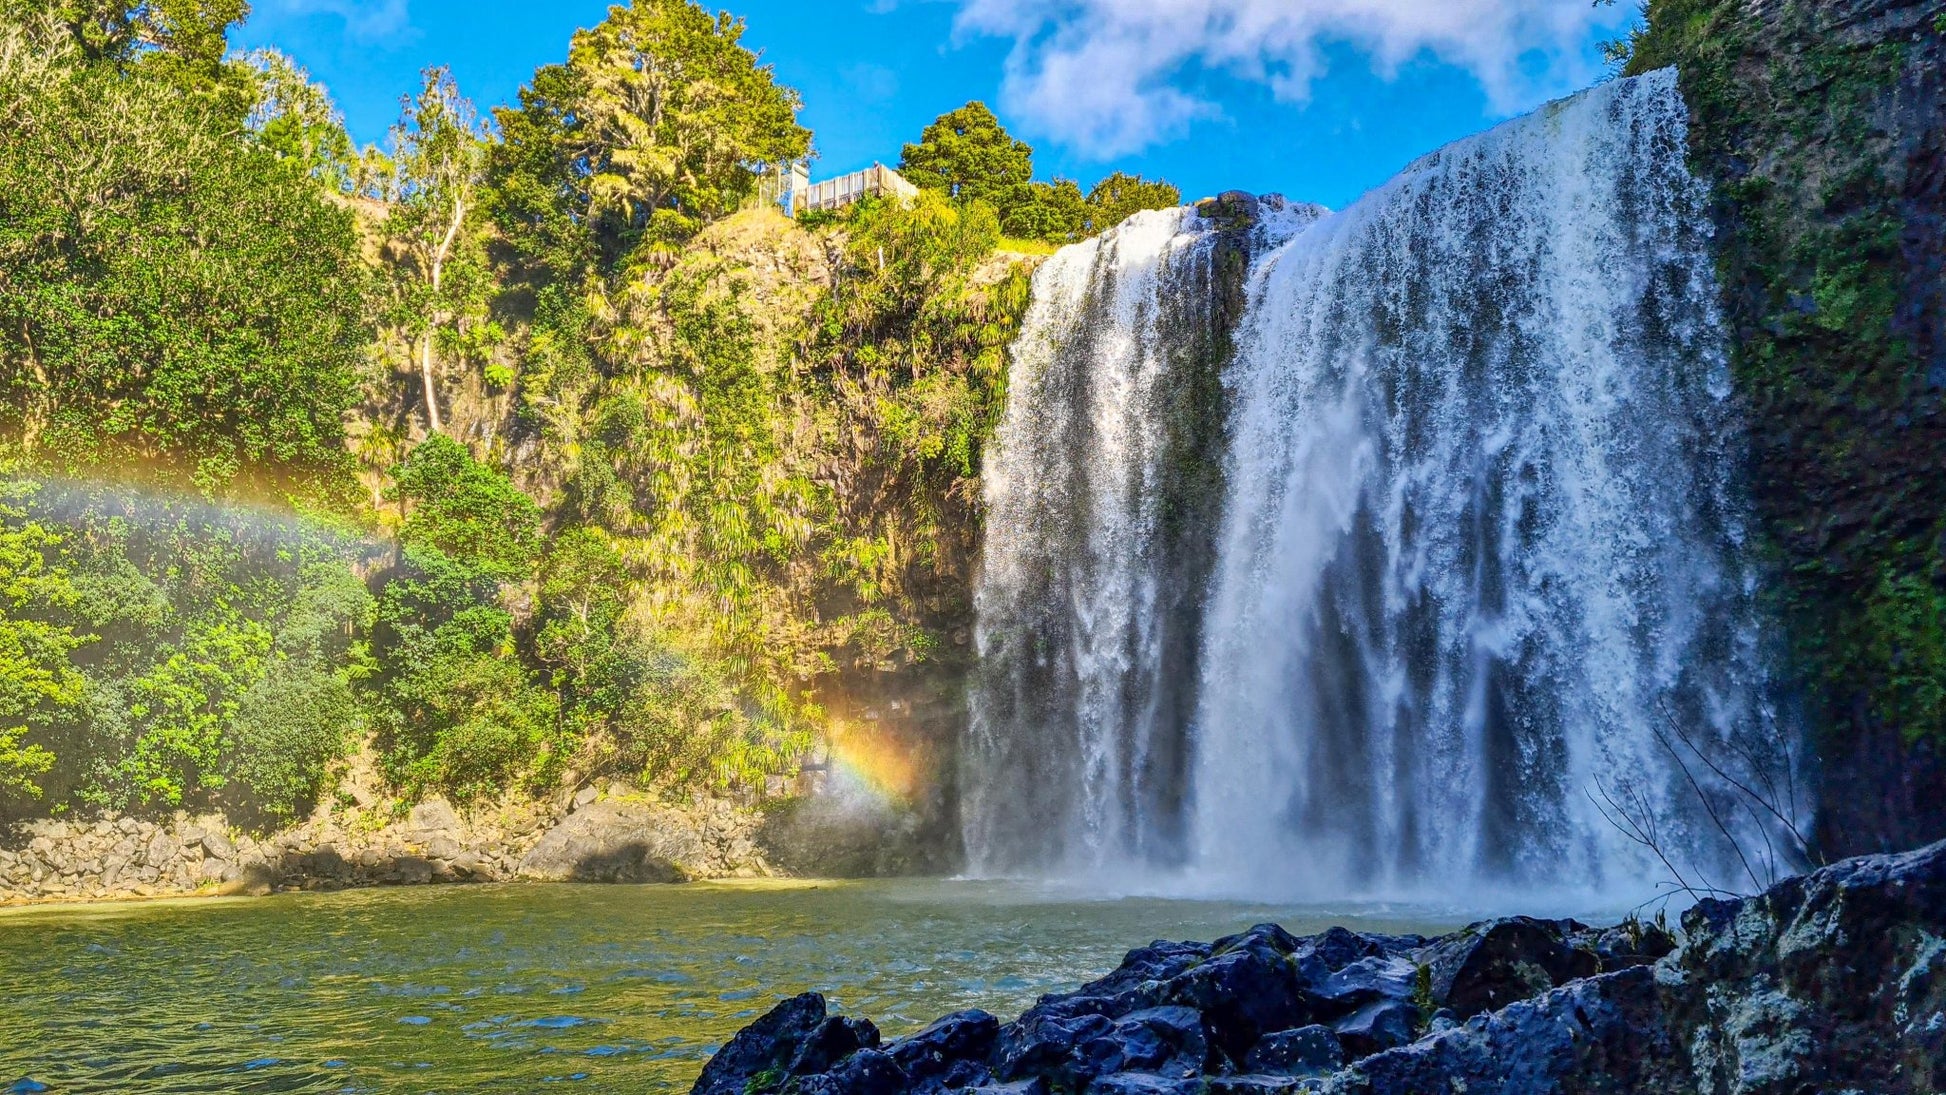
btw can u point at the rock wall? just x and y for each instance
(590, 837)
(1822, 126)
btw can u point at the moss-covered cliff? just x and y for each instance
(1823, 129)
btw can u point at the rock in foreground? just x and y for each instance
(1833, 982)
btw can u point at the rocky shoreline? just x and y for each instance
(1832, 982)
(589, 836)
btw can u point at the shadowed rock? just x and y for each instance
(612, 842)
(1831, 982)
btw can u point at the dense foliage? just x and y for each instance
(646, 133)
(645, 464)
(967, 155)
(177, 304)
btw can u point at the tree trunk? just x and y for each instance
(432, 324)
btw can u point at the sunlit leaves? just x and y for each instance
(650, 130)
(171, 304)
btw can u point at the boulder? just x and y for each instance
(1379, 1025)
(867, 1072)
(832, 1041)
(1246, 990)
(612, 841)
(217, 844)
(754, 1061)
(1493, 964)
(251, 878)
(434, 815)
(1601, 1036)
(963, 1036)
(1306, 1051)
(410, 870)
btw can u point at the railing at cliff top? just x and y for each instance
(791, 189)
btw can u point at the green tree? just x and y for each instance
(297, 121)
(1120, 196)
(460, 710)
(183, 709)
(1055, 212)
(182, 41)
(170, 304)
(39, 685)
(467, 510)
(438, 153)
(652, 128)
(967, 155)
(301, 714)
(456, 706)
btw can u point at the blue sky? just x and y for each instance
(1316, 99)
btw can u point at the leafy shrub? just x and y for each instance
(287, 731)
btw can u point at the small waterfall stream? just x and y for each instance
(1406, 578)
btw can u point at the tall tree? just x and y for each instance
(1053, 212)
(968, 155)
(297, 121)
(170, 302)
(439, 151)
(652, 128)
(182, 41)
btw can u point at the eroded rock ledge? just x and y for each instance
(1833, 982)
(588, 836)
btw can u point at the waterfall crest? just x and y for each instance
(1470, 566)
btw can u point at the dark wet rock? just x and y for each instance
(1253, 1084)
(1834, 982)
(866, 1072)
(1136, 982)
(1340, 947)
(754, 1060)
(962, 1037)
(1599, 1036)
(1306, 1051)
(1378, 1026)
(1247, 989)
(1358, 986)
(1144, 1083)
(1626, 945)
(1168, 1041)
(837, 1038)
(1047, 1042)
(1491, 965)
(1035, 1086)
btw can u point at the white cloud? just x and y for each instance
(365, 20)
(1109, 77)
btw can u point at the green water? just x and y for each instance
(509, 989)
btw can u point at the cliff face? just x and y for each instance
(1822, 127)
(779, 428)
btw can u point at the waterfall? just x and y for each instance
(1415, 573)
(1089, 596)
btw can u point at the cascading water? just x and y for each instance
(1465, 581)
(1088, 602)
